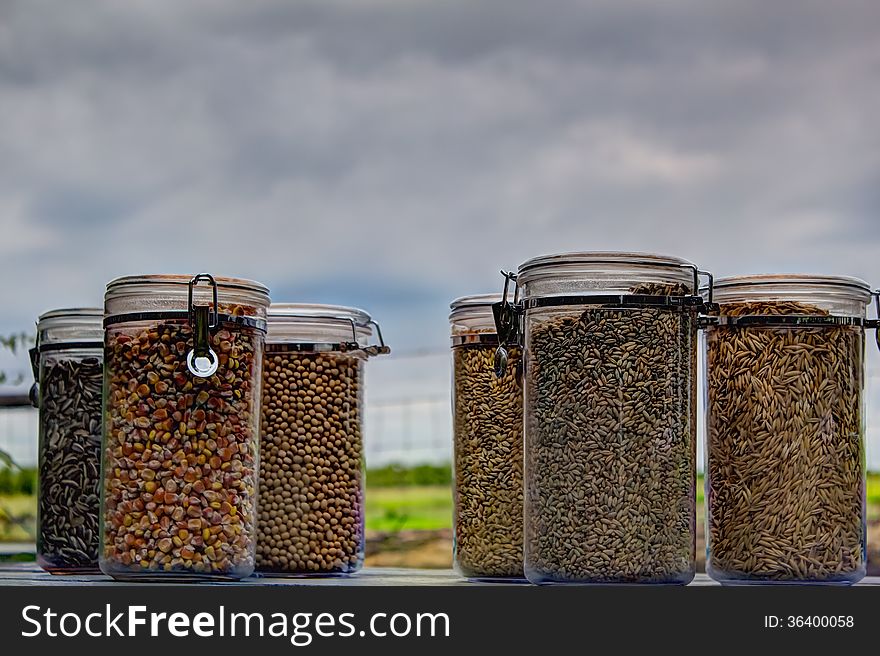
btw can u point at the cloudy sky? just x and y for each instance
(394, 154)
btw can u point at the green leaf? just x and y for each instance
(16, 341)
(13, 343)
(7, 460)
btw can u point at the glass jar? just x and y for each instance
(785, 473)
(68, 369)
(610, 423)
(487, 440)
(312, 466)
(182, 392)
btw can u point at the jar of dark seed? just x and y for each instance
(68, 368)
(785, 485)
(312, 467)
(487, 443)
(183, 362)
(610, 416)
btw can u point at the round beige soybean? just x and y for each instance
(311, 466)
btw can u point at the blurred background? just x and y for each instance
(395, 155)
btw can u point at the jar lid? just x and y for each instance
(844, 284)
(182, 281)
(473, 320)
(792, 294)
(318, 327)
(607, 272)
(475, 303)
(133, 298)
(70, 328)
(71, 314)
(590, 259)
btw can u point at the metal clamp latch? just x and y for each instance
(709, 311)
(875, 323)
(352, 345)
(380, 348)
(507, 319)
(201, 360)
(34, 391)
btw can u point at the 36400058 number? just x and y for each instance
(809, 622)
(820, 621)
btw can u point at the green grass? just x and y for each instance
(430, 506)
(18, 506)
(400, 476)
(873, 489)
(424, 507)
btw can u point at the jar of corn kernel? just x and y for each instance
(311, 518)
(180, 445)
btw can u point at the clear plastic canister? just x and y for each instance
(311, 519)
(487, 445)
(610, 417)
(785, 474)
(181, 431)
(68, 367)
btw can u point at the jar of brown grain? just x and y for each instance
(609, 345)
(785, 480)
(487, 433)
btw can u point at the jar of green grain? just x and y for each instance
(312, 467)
(487, 445)
(610, 348)
(785, 485)
(181, 410)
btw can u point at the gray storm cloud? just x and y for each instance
(405, 151)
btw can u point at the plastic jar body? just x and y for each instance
(610, 418)
(785, 472)
(69, 379)
(181, 445)
(312, 466)
(487, 445)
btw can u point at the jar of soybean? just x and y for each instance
(311, 455)
(487, 445)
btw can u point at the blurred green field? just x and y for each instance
(423, 507)
(429, 507)
(874, 489)
(18, 518)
